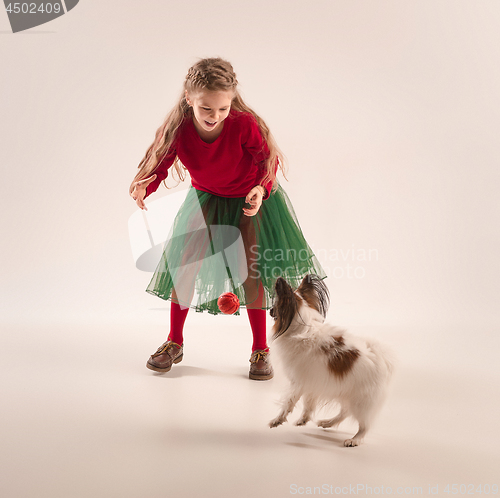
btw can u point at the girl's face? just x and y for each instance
(210, 109)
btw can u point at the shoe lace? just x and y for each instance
(258, 355)
(166, 348)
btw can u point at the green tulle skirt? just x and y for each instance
(213, 247)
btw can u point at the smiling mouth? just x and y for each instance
(210, 124)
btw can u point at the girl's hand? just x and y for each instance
(254, 198)
(139, 191)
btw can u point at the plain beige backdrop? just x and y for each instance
(389, 114)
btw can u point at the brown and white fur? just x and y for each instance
(323, 362)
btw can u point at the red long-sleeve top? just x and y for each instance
(229, 167)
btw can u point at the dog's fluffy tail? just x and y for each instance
(386, 355)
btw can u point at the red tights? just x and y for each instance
(257, 318)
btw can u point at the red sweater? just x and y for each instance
(229, 167)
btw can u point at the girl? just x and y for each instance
(236, 230)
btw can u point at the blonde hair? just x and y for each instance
(212, 74)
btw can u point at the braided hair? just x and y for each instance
(210, 74)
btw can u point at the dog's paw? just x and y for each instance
(324, 423)
(275, 422)
(352, 442)
(302, 421)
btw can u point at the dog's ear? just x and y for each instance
(284, 307)
(315, 293)
(281, 286)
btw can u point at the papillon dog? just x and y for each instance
(323, 362)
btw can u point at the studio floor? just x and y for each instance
(83, 417)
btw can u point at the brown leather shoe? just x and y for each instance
(260, 366)
(169, 352)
